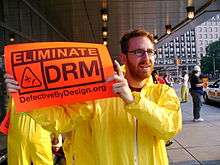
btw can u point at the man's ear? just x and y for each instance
(123, 58)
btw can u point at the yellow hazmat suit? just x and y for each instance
(27, 141)
(119, 134)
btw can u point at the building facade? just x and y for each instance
(186, 50)
(207, 33)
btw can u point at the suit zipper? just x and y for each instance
(135, 141)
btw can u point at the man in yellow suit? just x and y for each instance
(125, 130)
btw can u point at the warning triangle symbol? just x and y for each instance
(29, 79)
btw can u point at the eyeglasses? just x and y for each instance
(141, 52)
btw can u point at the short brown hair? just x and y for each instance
(135, 33)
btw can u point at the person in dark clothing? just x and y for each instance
(196, 92)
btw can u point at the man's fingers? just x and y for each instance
(116, 90)
(12, 90)
(114, 77)
(119, 85)
(120, 73)
(12, 86)
(8, 76)
(11, 81)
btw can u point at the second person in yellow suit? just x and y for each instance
(126, 130)
(27, 141)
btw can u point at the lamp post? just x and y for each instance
(177, 60)
(213, 62)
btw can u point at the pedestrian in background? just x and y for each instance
(185, 88)
(196, 92)
(156, 78)
(167, 80)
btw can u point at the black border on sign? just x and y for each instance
(44, 81)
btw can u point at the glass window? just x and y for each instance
(210, 36)
(201, 49)
(210, 29)
(171, 43)
(12, 15)
(205, 29)
(25, 19)
(205, 36)
(216, 29)
(177, 38)
(2, 40)
(1, 11)
(160, 50)
(192, 32)
(43, 31)
(35, 24)
(182, 37)
(171, 49)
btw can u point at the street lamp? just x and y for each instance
(104, 14)
(12, 38)
(190, 12)
(168, 29)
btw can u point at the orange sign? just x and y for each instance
(51, 73)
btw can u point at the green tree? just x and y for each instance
(211, 61)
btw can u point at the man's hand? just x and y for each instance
(121, 86)
(11, 85)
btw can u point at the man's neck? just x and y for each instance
(135, 83)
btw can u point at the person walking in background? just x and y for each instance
(167, 80)
(156, 78)
(184, 88)
(196, 92)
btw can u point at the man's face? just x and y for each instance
(140, 58)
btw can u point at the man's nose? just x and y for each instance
(145, 56)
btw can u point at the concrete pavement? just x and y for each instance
(198, 143)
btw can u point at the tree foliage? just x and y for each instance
(212, 58)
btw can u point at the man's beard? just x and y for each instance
(138, 75)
